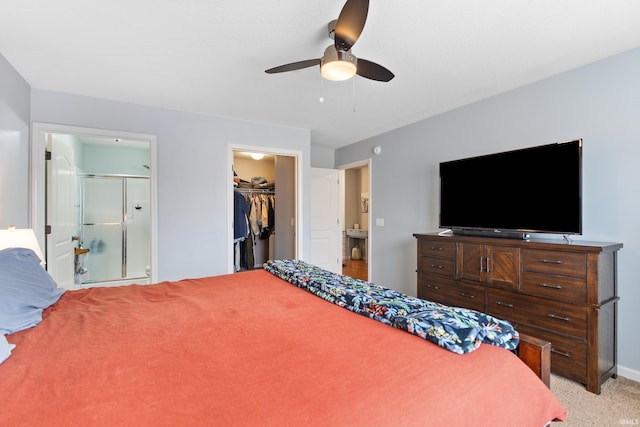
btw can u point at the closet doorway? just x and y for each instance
(264, 206)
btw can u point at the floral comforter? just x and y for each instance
(459, 330)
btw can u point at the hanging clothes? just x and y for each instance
(264, 202)
(272, 211)
(260, 220)
(255, 215)
(264, 217)
(246, 253)
(241, 211)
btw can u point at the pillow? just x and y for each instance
(5, 348)
(26, 288)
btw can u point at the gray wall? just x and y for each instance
(192, 171)
(192, 166)
(599, 103)
(322, 157)
(14, 147)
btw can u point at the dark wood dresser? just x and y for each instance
(561, 292)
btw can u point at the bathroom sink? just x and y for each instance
(357, 233)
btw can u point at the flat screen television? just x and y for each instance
(514, 193)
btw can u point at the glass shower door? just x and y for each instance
(138, 208)
(103, 227)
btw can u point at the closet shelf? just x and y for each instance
(255, 190)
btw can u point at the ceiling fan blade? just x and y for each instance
(373, 71)
(293, 66)
(350, 23)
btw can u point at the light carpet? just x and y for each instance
(617, 405)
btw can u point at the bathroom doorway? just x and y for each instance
(356, 234)
(96, 207)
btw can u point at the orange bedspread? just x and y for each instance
(250, 349)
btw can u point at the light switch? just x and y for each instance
(380, 222)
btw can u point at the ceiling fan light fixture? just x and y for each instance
(338, 65)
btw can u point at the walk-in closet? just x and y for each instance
(264, 208)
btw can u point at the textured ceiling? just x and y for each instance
(209, 56)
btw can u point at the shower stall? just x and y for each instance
(115, 217)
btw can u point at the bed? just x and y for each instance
(246, 349)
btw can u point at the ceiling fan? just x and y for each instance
(338, 63)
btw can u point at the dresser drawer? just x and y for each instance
(554, 262)
(568, 356)
(438, 249)
(454, 294)
(440, 266)
(561, 288)
(559, 317)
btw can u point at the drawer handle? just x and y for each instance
(436, 287)
(439, 267)
(484, 264)
(462, 294)
(546, 285)
(436, 248)
(550, 261)
(561, 353)
(505, 304)
(555, 316)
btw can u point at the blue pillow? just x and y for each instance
(5, 348)
(25, 290)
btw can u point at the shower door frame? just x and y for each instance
(124, 222)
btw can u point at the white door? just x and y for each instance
(326, 230)
(61, 212)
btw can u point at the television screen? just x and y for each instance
(536, 189)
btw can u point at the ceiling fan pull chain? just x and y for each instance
(354, 95)
(321, 99)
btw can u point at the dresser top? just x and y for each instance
(557, 244)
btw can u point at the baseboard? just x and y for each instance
(632, 374)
